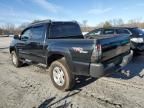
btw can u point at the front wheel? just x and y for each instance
(15, 59)
(61, 76)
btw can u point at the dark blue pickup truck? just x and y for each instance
(66, 53)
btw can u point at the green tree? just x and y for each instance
(107, 24)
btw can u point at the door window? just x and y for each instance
(38, 32)
(26, 34)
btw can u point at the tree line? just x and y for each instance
(114, 23)
(11, 29)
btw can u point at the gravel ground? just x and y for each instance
(30, 87)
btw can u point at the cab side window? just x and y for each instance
(26, 34)
(95, 32)
(108, 31)
(66, 30)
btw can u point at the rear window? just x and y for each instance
(64, 30)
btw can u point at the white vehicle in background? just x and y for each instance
(4, 35)
(11, 35)
(84, 33)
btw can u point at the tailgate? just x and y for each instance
(114, 46)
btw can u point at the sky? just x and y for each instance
(93, 11)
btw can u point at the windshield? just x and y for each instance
(137, 31)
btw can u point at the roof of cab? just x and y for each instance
(50, 21)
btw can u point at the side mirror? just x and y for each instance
(16, 37)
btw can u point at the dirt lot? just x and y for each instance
(30, 87)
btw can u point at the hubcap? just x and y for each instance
(58, 76)
(14, 59)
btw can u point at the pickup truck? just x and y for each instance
(61, 46)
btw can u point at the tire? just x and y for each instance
(136, 53)
(60, 69)
(15, 59)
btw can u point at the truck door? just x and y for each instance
(23, 44)
(36, 44)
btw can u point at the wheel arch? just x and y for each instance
(53, 56)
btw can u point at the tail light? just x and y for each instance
(96, 54)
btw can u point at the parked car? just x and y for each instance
(136, 35)
(84, 33)
(137, 40)
(63, 49)
(111, 31)
(4, 35)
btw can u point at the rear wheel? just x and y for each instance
(61, 76)
(136, 53)
(15, 59)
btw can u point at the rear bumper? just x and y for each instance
(98, 70)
